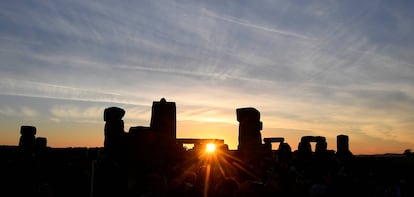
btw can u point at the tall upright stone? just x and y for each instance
(321, 145)
(342, 147)
(342, 143)
(163, 121)
(250, 138)
(304, 148)
(25, 168)
(114, 131)
(27, 139)
(111, 171)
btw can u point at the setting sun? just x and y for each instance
(210, 148)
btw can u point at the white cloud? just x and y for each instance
(23, 111)
(8, 111)
(308, 65)
(45, 90)
(29, 112)
(251, 25)
(72, 112)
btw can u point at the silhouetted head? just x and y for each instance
(285, 147)
(284, 151)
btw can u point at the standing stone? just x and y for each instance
(321, 145)
(163, 121)
(114, 131)
(250, 138)
(40, 144)
(249, 128)
(342, 146)
(27, 139)
(26, 166)
(342, 143)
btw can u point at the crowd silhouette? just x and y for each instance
(149, 161)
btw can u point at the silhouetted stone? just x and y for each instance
(113, 114)
(250, 138)
(41, 143)
(342, 143)
(111, 173)
(137, 130)
(148, 166)
(284, 153)
(28, 130)
(313, 139)
(142, 141)
(321, 147)
(163, 120)
(249, 127)
(27, 138)
(114, 143)
(269, 141)
(114, 128)
(304, 148)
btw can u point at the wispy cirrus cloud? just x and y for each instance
(73, 113)
(23, 111)
(313, 67)
(251, 25)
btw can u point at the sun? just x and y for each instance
(210, 148)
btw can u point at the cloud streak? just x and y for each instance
(23, 111)
(43, 90)
(314, 67)
(251, 25)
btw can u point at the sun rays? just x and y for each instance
(212, 163)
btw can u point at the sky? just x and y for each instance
(310, 67)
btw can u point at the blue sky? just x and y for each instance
(310, 67)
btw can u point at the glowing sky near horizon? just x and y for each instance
(310, 68)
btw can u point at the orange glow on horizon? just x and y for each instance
(68, 134)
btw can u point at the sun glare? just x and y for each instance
(210, 148)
